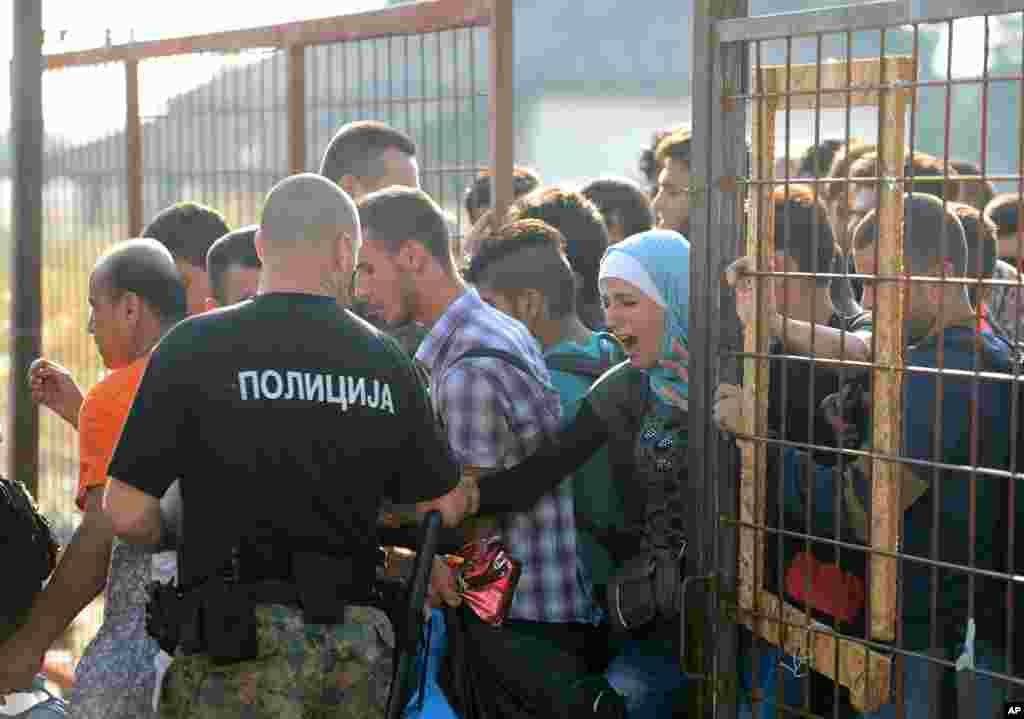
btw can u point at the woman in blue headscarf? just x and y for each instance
(638, 409)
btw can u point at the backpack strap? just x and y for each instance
(492, 352)
(587, 367)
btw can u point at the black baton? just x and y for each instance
(408, 634)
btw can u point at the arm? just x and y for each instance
(827, 341)
(78, 579)
(134, 515)
(517, 489)
(797, 334)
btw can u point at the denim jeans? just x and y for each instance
(646, 673)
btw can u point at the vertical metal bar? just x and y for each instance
(502, 107)
(27, 231)
(133, 147)
(439, 167)
(718, 152)
(887, 384)
(296, 108)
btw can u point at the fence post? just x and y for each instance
(718, 159)
(133, 140)
(502, 107)
(26, 249)
(296, 108)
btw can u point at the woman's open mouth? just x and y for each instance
(629, 342)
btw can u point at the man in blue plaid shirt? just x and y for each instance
(493, 395)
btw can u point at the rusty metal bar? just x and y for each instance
(502, 107)
(296, 104)
(411, 19)
(845, 18)
(26, 250)
(133, 148)
(854, 17)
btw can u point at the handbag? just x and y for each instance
(648, 587)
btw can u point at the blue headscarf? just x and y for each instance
(665, 256)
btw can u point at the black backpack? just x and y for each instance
(28, 551)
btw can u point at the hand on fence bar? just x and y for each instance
(731, 404)
(737, 275)
(53, 387)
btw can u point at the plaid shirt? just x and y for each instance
(496, 416)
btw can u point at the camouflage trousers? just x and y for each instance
(303, 671)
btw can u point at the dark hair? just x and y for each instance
(623, 201)
(396, 215)
(925, 222)
(648, 164)
(356, 149)
(986, 189)
(841, 164)
(817, 159)
(982, 245)
(527, 254)
(581, 224)
(1003, 211)
(809, 240)
(478, 195)
(187, 230)
(676, 145)
(139, 266)
(921, 166)
(235, 249)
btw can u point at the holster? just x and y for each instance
(648, 587)
(218, 616)
(228, 616)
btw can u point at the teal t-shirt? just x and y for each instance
(595, 495)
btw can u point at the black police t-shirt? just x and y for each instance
(288, 419)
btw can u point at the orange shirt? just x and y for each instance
(100, 420)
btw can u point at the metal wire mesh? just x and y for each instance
(961, 103)
(215, 129)
(432, 86)
(222, 139)
(84, 201)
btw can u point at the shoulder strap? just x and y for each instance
(494, 353)
(583, 366)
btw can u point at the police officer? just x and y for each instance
(287, 419)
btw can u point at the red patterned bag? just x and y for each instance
(487, 577)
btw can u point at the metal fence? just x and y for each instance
(218, 119)
(767, 82)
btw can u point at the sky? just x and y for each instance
(85, 25)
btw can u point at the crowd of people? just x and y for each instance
(283, 400)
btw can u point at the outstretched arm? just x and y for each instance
(517, 489)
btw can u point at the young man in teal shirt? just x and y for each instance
(522, 271)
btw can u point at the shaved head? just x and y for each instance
(304, 214)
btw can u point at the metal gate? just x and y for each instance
(941, 78)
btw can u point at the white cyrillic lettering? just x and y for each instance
(340, 397)
(267, 375)
(295, 388)
(356, 390)
(314, 387)
(372, 400)
(252, 376)
(386, 405)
